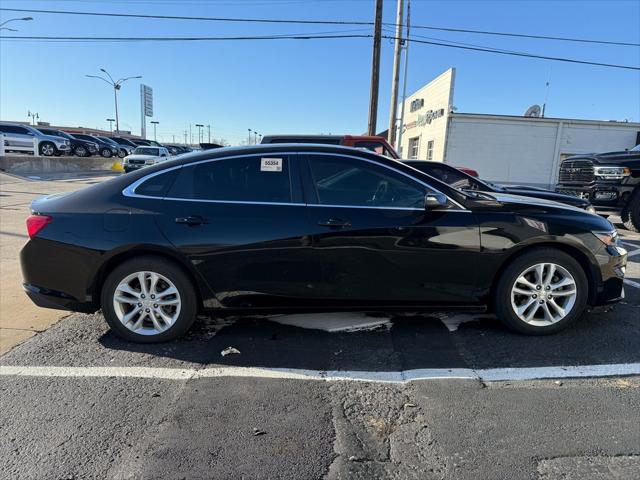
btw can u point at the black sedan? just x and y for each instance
(311, 227)
(455, 177)
(79, 147)
(106, 149)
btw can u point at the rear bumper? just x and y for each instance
(46, 298)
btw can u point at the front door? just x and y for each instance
(376, 242)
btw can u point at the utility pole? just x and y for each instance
(154, 123)
(404, 80)
(397, 57)
(199, 125)
(190, 136)
(117, 85)
(209, 133)
(375, 70)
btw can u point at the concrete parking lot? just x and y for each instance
(405, 396)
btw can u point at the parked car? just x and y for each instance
(79, 147)
(107, 149)
(122, 150)
(144, 157)
(373, 143)
(20, 138)
(125, 147)
(610, 181)
(308, 227)
(141, 143)
(458, 178)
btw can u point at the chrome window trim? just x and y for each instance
(129, 191)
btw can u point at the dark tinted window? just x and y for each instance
(344, 181)
(250, 179)
(159, 185)
(449, 175)
(376, 147)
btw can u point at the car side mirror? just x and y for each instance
(435, 200)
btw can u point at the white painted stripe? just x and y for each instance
(488, 375)
(633, 253)
(632, 283)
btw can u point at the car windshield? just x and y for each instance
(146, 151)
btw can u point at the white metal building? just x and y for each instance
(502, 148)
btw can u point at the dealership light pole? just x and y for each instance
(154, 123)
(249, 142)
(111, 120)
(255, 137)
(23, 19)
(375, 70)
(397, 56)
(199, 125)
(33, 116)
(117, 85)
(209, 133)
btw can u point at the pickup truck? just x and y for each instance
(610, 181)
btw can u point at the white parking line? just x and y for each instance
(486, 375)
(631, 283)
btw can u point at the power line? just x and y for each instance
(312, 37)
(321, 22)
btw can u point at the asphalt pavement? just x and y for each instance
(414, 397)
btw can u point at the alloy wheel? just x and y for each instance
(147, 303)
(543, 294)
(47, 149)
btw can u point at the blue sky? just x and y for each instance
(310, 86)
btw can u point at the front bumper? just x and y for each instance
(612, 263)
(604, 196)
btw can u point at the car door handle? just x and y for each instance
(192, 220)
(334, 223)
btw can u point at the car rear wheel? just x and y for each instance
(149, 299)
(106, 152)
(631, 213)
(47, 149)
(541, 292)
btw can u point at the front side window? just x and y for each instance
(430, 150)
(414, 144)
(350, 182)
(246, 179)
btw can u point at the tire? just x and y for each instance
(122, 153)
(631, 212)
(47, 149)
(80, 151)
(546, 318)
(105, 152)
(181, 312)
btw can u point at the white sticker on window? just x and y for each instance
(270, 164)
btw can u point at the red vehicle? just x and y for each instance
(374, 143)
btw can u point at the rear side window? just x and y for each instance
(12, 129)
(248, 179)
(157, 186)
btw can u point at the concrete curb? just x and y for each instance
(29, 165)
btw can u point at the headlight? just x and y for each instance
(608, 238)
(590, 209)
(611, 173)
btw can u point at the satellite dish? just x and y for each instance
(533, 111)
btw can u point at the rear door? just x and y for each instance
(376, 242)
(243, 224)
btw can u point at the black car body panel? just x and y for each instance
(301, 253)
(578, 177)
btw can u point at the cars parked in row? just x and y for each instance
(611, 181)
(107, 149)
(311, 227)
(79, 147)
(24, 138)
(461, 180)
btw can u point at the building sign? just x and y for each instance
(146, 97)
(426, 118)
(416, 104)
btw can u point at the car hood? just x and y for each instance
(548, 195)
(521, 202)
(142, 157)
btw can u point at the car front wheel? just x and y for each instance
(47, 149)
(81, 151)
(105, 152)
(122, 153)
(149, 299)
(541, 292)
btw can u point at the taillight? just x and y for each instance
(35, 223)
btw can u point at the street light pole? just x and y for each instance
(154, 123)
(209, 133)
(111, 120)
(24, 19)
(117, 85)
(249, 142)
(199, 125)
(255, 138)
